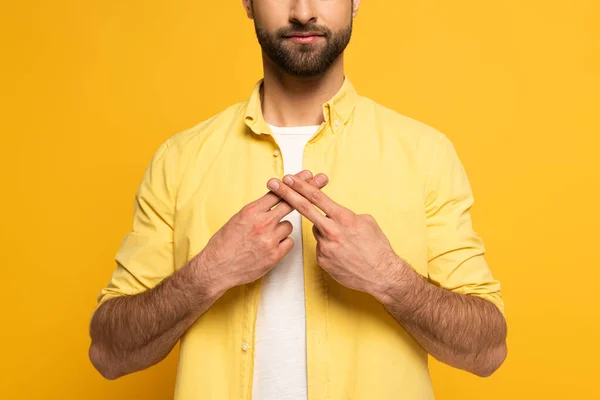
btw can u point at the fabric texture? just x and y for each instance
(404, 173)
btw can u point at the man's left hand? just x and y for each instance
(350, 247)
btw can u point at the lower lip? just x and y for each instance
(305, 39)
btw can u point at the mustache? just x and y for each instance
(299, 28)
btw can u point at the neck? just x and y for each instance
(298, 101)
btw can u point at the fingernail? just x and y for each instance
(320, 179)
(273, 185)
(288, 180)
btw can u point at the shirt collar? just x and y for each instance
(336, 112)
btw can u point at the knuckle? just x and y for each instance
(260, 227)
(332, 232)
(288, 227)
(348, 220)
(368, 217)
(320, 253)
(316, 196)
(247, 210)
(303, 207)
(270, 260)
(320, 259)
(266, 243)
(364, 218)
(278, 252)
(349, 216)
(335, 237)
(325, 250)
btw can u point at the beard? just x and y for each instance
(303, 59)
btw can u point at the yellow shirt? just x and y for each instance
(405, 174)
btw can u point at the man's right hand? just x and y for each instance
(250, 244)
(130, 333)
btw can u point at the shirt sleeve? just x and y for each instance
(455, 252)
(145, 256)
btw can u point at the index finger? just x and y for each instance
(315, 196)
(270, 199)
(284, 208)
(299, 202)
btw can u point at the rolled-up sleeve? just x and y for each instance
(455, 252)
(145, 256)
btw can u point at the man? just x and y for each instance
(339, 281)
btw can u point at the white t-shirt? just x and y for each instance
(280, 335)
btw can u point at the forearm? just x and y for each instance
(131, 333)
(466, 332)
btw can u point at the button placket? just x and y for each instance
(246, 339)
(316, 288)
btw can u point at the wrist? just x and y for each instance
(397, 285)
(205, 285)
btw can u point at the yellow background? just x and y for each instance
(90, 89)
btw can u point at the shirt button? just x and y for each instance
(245, 347)
(337, 122)
(276, 153)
